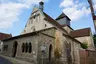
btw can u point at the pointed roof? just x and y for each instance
(80, 32)
(54, 22)
(62, 16)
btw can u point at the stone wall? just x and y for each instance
(68, 47)
(88, 40)
(42, 38)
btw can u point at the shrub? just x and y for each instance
(84, 45)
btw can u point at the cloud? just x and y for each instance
(10, 10)
(75, 10)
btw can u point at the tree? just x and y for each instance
(94, 38)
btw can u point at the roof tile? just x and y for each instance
(4, 36)
(80, 32)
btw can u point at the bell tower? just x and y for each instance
(41, 5)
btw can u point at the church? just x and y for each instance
(44, 39)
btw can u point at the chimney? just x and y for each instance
(41, 6)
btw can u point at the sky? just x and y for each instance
(15, 13)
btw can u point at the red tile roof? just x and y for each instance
(80, 32)
(54, 22)
(4, 36)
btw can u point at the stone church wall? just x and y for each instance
(45, 38)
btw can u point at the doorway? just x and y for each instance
(50, 51)
(14, 50)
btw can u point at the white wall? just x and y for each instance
(38, 22)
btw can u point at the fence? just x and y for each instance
(87, 57)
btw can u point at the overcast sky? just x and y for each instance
(15, 13)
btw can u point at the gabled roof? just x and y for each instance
(62, 16)
(4, 36)
(80, 32)
(52, 21)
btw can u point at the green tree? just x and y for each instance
(94, 38)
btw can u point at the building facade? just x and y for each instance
(44, 40)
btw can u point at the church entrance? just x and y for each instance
(14, 50)
(50, 51)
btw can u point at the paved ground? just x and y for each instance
(4, 61)
(10, 60)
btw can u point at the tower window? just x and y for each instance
(45, 25)
(34, 17)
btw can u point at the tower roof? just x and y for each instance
(62, 16)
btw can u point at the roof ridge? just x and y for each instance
(62, 15)
(83, 29)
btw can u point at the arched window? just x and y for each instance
(23, 47)
(26, 47)
(30, 47)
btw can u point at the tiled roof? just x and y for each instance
(27, 34)
(4, 36)
(80, 32)
(61, 16)
(52, 21)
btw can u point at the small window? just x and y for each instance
(5, 48)
(34, 17)
(45, 25)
